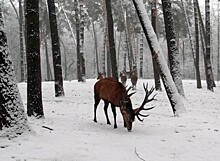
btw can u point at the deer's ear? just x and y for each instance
(131, 94)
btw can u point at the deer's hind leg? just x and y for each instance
(97, 100)
(114, 114)
(106, 111)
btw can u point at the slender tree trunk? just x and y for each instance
(58, 76)
(82, 58)
(190, 33)
(34, 91)
(95, 46)
(79, 74)
(198, 78)
(154, 22)
(49, 73)
(13, 120)
(210, 82)
(21, 32)
(218, 59)
(111, 39)
(172, 93)
(141, 54)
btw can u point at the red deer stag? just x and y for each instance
(114, 92)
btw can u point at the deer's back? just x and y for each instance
(109, 90)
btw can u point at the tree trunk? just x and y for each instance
(172, 47)
(49, 73)
(79, 74)
(210, 82)
(13, 120)
(154, 22)
(111, 39)
(21, 32)
(218, 59)
(172, 93)
(198, 78)
(95, 46)
(34, 91)
(81, 40)
(58, 76)
(141, 54)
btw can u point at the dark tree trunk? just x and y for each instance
(79, 74)
(154, 22)
(58, 77)
(12, 113)
(210, 82)
(218, 59)
(34, 93)
(141, 54)
(82, 24)
(111, 39)
(172, 46)
(198, 78)
(21, 32)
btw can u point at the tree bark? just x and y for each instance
(154, 23)
(34, 91)
(172, 46)
(58, 76)
(198, 78)
(111, 40)
(210, 82)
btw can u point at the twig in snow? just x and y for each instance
(138, 155)
(47, 128)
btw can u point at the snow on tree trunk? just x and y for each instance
(172, 46)
(13, 120)
(58, 76)
(172, 93)
(34, 91)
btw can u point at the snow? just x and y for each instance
(161, 137)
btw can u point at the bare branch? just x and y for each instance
(138, 155)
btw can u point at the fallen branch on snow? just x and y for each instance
(138, 155)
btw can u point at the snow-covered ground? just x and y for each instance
(194, 136)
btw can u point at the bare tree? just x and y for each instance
(59, 91)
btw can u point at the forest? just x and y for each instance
(59, 52)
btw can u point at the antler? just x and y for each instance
(146, 100)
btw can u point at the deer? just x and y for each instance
(123, 76)
(134, 79)
(115, 93)
(101, 75)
